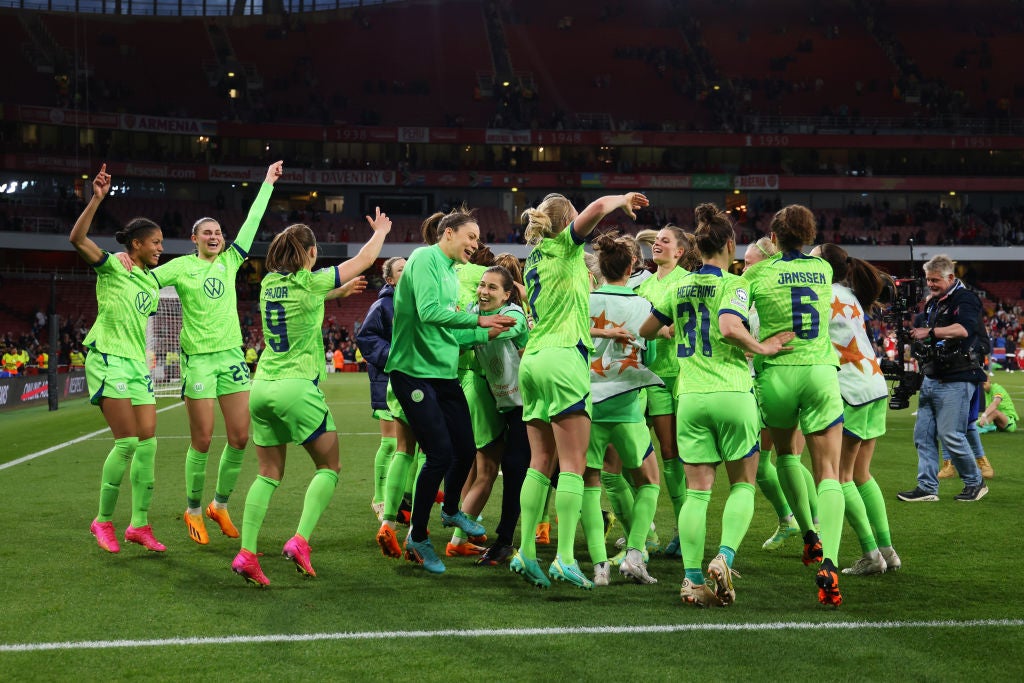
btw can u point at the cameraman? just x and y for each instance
(952, 372)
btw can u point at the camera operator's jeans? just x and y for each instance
(942, 415)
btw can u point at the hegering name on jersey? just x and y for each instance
(697, 291)
(802, 278)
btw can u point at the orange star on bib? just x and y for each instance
(630, 361)
(850, 354)
(837, 307)
(601, 322)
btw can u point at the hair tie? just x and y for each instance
(849, 260)
(762, 249)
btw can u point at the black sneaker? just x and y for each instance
(499, 553)
(404, 515)
(919, 496)
(972, 493)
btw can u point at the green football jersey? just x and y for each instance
(469, 275)
(558, 291)
(707, 362)
(423, 341)
(209, 305)
(1006, 406)
(653, 289)
(793, 291)
(124, 300)
(292, 306)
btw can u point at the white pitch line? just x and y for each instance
(500, 632)
(51, 449)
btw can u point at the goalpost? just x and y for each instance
(163, 348)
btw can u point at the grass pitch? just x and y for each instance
(72, 611)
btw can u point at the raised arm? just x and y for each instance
(259, 206)
(86, 248)
(356, 285)
(599, 208)
(381, 225)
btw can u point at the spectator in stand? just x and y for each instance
(12, 361)
(251, 356)
(76, 358)
(348, 352)
(23, 359)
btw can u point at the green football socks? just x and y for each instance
(532, 501)
(736, 516)
(228, 469)
(381, 462)
(398, 474)
(256, 503)
(593, 524)
(142, 475)
(318, 497)
(568, 507)
(830, 510)
(693, 523)
(874, 505)
(114, 468)
(791, 477)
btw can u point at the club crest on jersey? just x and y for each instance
(143, 301)
(214, 288)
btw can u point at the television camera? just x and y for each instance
(900, 299)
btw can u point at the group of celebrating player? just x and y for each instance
(546, 372)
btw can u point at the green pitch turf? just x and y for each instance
(69, 611)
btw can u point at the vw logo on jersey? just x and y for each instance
(214, 288)
(143, 301)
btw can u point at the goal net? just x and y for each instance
(163, 348)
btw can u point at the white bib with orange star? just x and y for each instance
(616, 368)
(860, 378)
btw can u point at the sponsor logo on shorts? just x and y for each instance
(121, 387)
(198, 386)
(417, 395)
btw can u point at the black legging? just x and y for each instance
(514, 462)
(439, 417)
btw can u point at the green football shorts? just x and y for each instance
(717, 427)
(288, 411)
(209, 375)
(116, 377)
